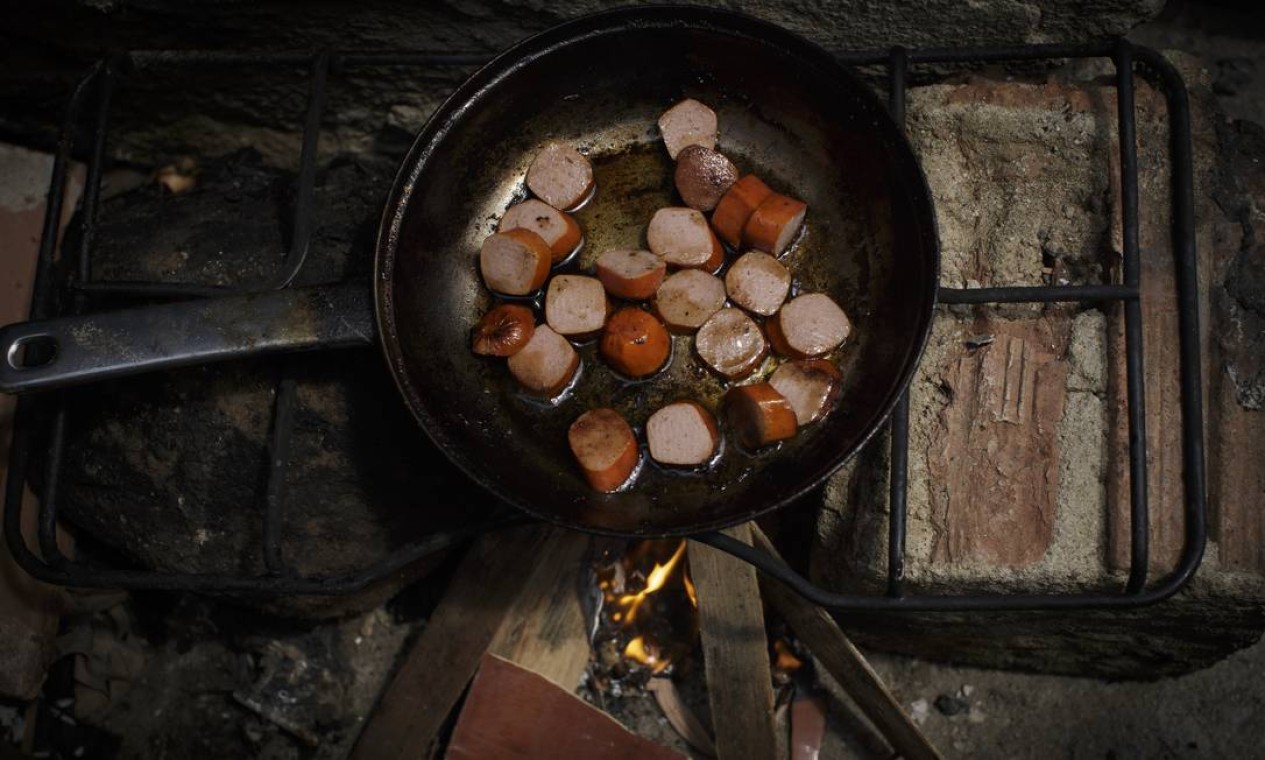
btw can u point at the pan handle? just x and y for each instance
(56, 353)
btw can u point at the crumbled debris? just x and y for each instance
(951, 705)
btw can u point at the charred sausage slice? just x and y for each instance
(680, 236)
(758, 283)
(515, 262)
(605, 448)
(759, 415)
(559, 231)
(546, 364)
(703, 176)
(560, 176)
(575, 305)
(688, 123)
(689, 298)
(810, 325)
(683, 433)
(731, 344)
(811, 385)
(631, 274)
(503, 331)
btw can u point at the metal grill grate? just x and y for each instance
(99, 83)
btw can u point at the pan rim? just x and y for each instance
(571, 32)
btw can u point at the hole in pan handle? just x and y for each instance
(58, 353)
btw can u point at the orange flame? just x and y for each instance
(786, 660)
(645, 653)
(654, 581)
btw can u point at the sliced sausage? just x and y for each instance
(605, 447)
(504, 330)
(683, 433)
(634, 343)
(546, 364)
(559, 231)
(688, 123)
(689, 298)
(811, 385)
(758, 283)
(575, 305)
(560, 176)
(731, 344)
(774, 223)
(759, 415)
(515, 263)
(810, 325)
(630, 274)
(680, 236)
(703, 176)
(736, 206)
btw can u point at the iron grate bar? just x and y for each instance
(325, 63)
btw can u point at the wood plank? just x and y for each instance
(435, 671)
(544, 629)
(735, 651)
(840, 657)
(513, 712)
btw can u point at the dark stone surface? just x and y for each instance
(170, 469)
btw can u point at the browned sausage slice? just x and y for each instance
(575, 305)
(731, 344)
(546, 364)
(680, 236)
(559, 231)
(634, 275)
(560, 176)
(683, 433)
(503, 331)
(773, 225)
(634, 343)
(689, 298)
(688, 123)
(758, 283)
(811, 385)
(759, 415)
(810, 325)
(515, 263)
(703, 176)
(605, 447)
(736, 207)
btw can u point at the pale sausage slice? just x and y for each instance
(683, 433)
(774, 224)
(811, 385)
(605, 447)
(810, 325)
(736, 207)
(689, 298)
(758, 283)
(634, 275)
(546, 364)
(731, 344)
(759, 415)
(703, 176)
(560, 176)
(575, 305)
(515, 263)
(688, 123)
(680, 236)
(559, 231)
(634, 343)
